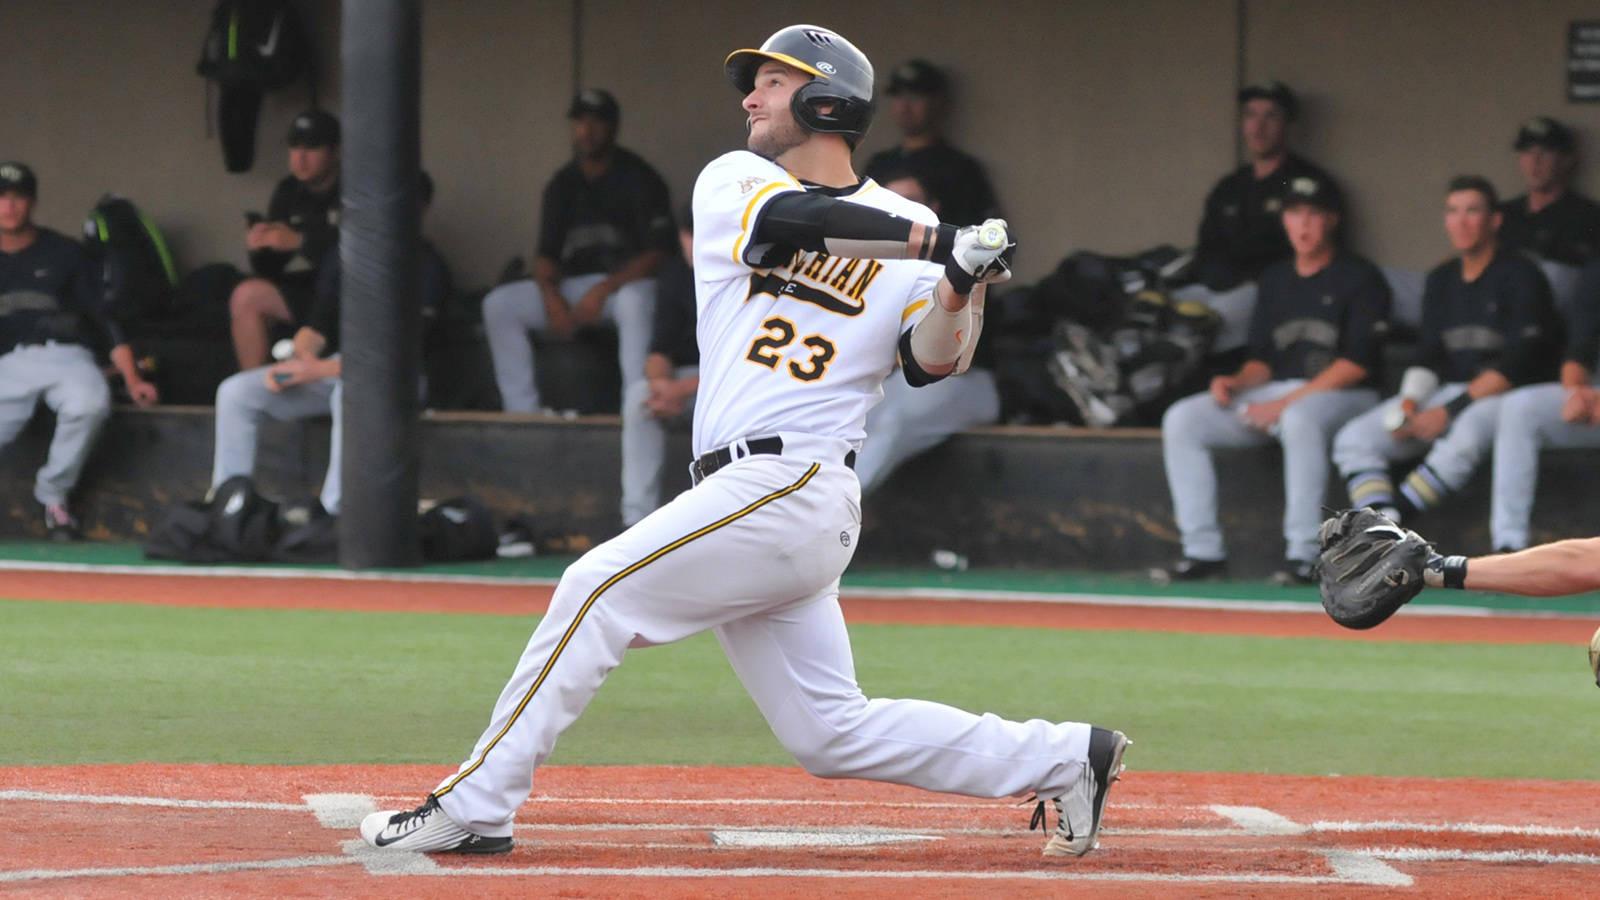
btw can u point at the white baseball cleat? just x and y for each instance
(1078, 810)
(426, 829)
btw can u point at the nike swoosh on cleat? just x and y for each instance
(381, 841)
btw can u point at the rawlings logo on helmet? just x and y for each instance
(826, 68)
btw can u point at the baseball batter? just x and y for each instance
(808, 280)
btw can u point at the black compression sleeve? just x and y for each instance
(916, 376)
(811, 221)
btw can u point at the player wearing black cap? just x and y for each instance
(605, 226)
(1552, 220)
(300, 227)
(51, 315)
(919, 101)
(1315, 349)
(1488, 325)
(1241, 231)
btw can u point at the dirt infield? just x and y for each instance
(683, 832)
(860, 607)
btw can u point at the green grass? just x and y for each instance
(84, 683)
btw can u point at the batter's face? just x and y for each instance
(1264, 126)
(312, 165)
(773, 129)
(915, 114)
(1310, 228)
(1469, 220)
(16, 212)
(1544, 169)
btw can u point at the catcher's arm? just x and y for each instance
(1548, 570)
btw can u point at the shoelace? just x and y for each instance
(1039, 821)
(416, 818)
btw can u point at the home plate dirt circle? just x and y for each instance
(682, 832)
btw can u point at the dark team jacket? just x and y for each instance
(673, 332)
(1505, 320)
(596, 226)
(50, 291)
(1302, 324)
(1583, 319)
(1566, 231)
(956, 180)
(315, 216)
(1242, 232)
(434, 287)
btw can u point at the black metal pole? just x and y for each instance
(380, 317)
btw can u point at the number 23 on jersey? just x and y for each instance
(767, 350)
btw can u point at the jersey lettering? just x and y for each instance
(835, 283)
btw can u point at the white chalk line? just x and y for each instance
(849, 591)
(218, 868)
(118, 800)
(1443, 854)
(1458, 828)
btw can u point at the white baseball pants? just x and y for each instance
(66, 378)
(754, 551)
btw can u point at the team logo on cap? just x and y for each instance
(1537, 126)
(826, 68)
(10, 173)
(303, 122)
(1304, 185)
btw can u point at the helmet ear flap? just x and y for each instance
(848, 117)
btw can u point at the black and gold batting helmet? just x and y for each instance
(841, 77)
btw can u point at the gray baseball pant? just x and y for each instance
(644, 448)
(243, 400)
(512, 310)
(1194, 426)
(909, 420)
(1365, 445)
(1530, 420)
(66, 378)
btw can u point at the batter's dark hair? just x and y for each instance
(1476, 183)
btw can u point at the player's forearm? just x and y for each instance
(642, 266)
(657, 365)
(820, 223)
(1340, 374)
(308, 343)
(122, 358)
(1564, 567)
(1488, 383)
(939, 339)
(1253, 373)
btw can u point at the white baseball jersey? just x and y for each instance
(799, 344)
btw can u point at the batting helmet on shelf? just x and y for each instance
(841, 77)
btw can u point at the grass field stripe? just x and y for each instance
(119, 800)
(595, 595)
(293, 862)
(1458, 828)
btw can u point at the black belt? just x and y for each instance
(712, 460)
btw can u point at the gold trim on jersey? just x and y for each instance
(604, 586)
(914, 308)
(749, 210)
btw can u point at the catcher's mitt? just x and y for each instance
(1369, 567)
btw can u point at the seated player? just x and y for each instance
(1241, 232)
(1488, 325)
(604, 228)
(919, 104)
(51, 316)
(665, 396)
(1547, 415)
(1316, 343)
(300, 228)
(910, 420)
(308, 384)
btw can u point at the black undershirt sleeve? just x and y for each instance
(812, 221)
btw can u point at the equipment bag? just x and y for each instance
(138, 276)
(255, 43)
(460, 528)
